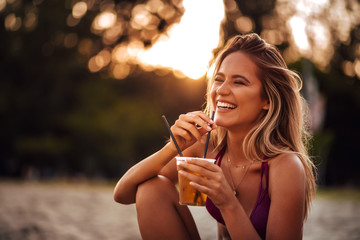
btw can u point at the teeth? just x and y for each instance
(225, 105)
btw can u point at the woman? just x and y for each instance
(263, 181)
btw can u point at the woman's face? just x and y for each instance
(237, 93)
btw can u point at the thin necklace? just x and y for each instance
(236, 193)
(242, 166)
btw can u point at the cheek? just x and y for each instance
(213, 95)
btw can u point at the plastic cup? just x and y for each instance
(188, 195)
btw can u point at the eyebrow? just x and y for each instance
(235, 76)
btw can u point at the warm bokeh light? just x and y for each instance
(314, 35)
(71, 21)
(121, 71)
(30, 20)
(2, 5)
(12, 22)
(104, 20)
(137, 35)
(348, 68)
(244, 24)
(120, 54)
(189, 44)
(298, 31)
(273, 36)
(357, 67)
(141, 17)
(112, 34)
(93, 65)
(181, 35)
(79, 9)
(186, 47)
(103, 58)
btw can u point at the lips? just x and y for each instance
(225, 105)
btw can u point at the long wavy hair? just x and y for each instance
(283, 128)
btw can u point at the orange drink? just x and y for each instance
(188, 195)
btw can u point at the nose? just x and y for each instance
(223, 89)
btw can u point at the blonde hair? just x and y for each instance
(283, 128)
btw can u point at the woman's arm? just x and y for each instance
(287, 208)
(287, 181)
(125, 190)
(186, 134)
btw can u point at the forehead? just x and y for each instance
(238, 62)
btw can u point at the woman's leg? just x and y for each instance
(160, 216)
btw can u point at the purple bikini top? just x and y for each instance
(260, 213)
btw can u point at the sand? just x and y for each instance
(33, 210)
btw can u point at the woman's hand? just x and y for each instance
(213, 183)
(191, 127)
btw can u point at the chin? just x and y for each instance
(222, 123)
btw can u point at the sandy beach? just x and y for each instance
(77, 211)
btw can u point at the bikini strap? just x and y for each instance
(265, 169)
(220, 155)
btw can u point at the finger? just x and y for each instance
(209, 121)
(218, 197)
(209, 174)
(194, 178)
(203, 163)
(189, 127)
(182, 133)
(208, 187)
(201, 188)
(198, 118)
(203, 131)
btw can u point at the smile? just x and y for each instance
(223, 105)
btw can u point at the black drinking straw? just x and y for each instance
(208, 136)
(172, 135)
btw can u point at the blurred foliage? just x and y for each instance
(58, 119)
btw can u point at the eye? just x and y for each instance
(239, 83)
(219, 80)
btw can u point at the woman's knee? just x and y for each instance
(156, 190)
(159, 213)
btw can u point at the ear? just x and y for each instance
(266, 105)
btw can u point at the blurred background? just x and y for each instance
(83, 83)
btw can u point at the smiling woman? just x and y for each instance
(238, 92)
(259, 130)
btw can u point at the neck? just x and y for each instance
(235, 148)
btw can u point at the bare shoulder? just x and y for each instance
(286, 162)
(286, 172)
